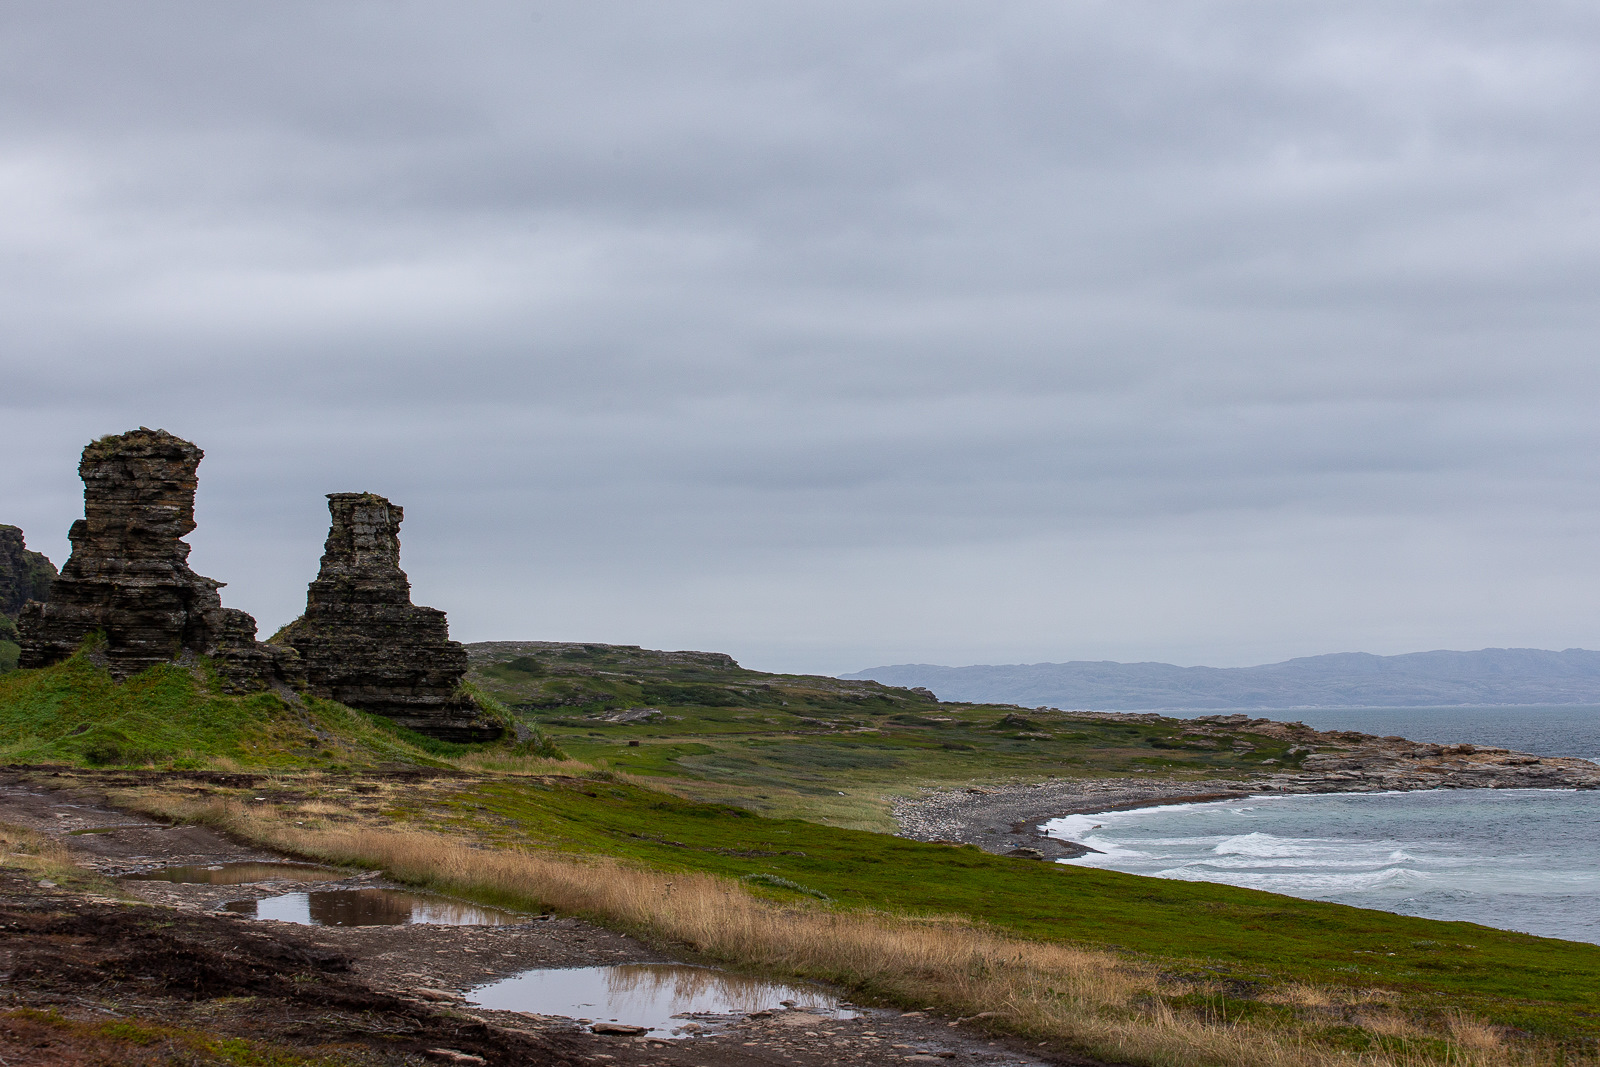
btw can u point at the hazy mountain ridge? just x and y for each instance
(1341, 679)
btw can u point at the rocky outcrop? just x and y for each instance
(24, 575)
(1380, 764)
(128, 577)
(366, 645)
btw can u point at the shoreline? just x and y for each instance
(1009, 819)
(1005, 819)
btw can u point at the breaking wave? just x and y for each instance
(1519, 859)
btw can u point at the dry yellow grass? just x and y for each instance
(40, 858)
(1475, 1034)
(1300, 996)
(1093, 1001)
(504, 763)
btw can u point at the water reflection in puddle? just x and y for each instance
(238, 873)
(371, 907)
(648, 994)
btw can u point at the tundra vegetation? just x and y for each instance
(737, 817)
(827, 749)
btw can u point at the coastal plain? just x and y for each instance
(801, 827)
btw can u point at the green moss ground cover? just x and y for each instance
(168, 716)
(826, 748)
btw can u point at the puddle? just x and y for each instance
(371, 907)
(655, 995)
(239, 873)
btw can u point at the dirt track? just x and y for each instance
(368, 995)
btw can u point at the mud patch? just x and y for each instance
(231, 873)
(188, 978)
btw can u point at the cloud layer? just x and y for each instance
(836, 334)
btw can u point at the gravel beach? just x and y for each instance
(1001, 819)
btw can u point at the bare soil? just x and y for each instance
(152, 973)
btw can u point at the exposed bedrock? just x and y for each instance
(128, 577)
(366, 645)
(24, 575)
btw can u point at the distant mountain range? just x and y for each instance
(1343, 679)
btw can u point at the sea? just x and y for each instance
(1519, 859)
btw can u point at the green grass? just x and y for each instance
(826, 748)
(1535, 984)
(169, 716)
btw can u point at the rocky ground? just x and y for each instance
(148, 972)
(1003, 819)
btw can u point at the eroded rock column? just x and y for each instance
(128, 575)
(366, 645)
(24, 575)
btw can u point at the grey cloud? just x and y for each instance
(836, 333)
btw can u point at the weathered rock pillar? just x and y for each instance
(24, 575)
(366, 645)
(128, 575)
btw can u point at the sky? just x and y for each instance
(830, 335)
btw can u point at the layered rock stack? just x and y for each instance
(366, 645)
(128, 577)
(24, 575)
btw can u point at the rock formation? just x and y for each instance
(366, 645)
(24, 575)
(128, 577)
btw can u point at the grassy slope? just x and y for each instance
(823, 748)
(74, 713)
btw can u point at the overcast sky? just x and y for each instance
(835, 334)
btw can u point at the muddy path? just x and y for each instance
(169, 956)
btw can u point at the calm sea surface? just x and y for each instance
(1519, 859)
(1544, 730)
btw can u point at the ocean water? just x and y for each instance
(1519, 859)
(1542, 729)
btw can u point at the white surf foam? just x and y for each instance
(1519, 859)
